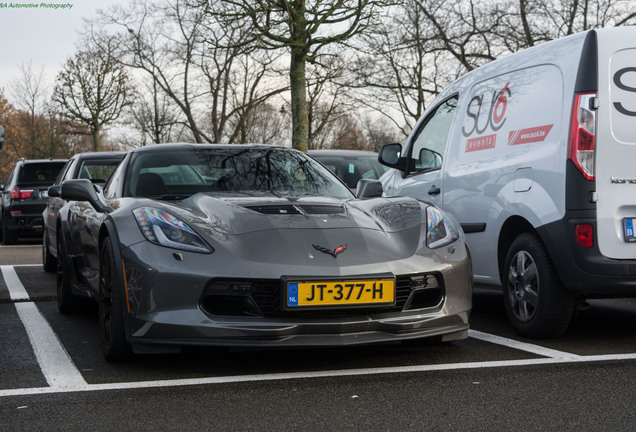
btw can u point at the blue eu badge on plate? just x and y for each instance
(292, 294)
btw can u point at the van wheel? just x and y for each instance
(537, 304)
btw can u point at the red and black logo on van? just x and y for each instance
(495, 119)
(496, 115)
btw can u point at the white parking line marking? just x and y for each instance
(63, 377)
(56, 365)
(522, 346)
(312, 375)
(16, 289)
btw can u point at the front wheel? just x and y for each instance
(111, 307)
(66, 301)
(536, 302)
(48, 260)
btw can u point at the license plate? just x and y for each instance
(337, 293)
(44, 193)
(629, 225)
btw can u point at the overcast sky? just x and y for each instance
(44, 36)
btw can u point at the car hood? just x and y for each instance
(271, 230)
(245, 215)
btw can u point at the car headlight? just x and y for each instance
(162, 228)
(440, 231)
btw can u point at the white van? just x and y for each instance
(535, 155)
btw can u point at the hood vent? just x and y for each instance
(275, 209)
(314, 209)
(322, 209)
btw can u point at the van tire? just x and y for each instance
(537, 304)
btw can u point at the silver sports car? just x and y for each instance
(256, 245)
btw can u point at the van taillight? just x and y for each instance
(583, 133)
(584, 235)
(17, 193)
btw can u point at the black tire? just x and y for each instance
(111, 308)
(66, 302)
(8, 237)
(536, 302)
(49, 263)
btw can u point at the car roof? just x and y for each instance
(100, 155)
(343, 153)
(40, 161)
(182, 146)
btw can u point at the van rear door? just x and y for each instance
(615, 169)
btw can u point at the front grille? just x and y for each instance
(263, 298)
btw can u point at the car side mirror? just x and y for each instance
(82, 190)
(391, 155)
(54, 191)
(369, 188)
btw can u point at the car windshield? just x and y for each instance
(351, 169)
(177, 174)
(98, 170)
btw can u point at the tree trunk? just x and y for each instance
(299, 113)
(97, 146)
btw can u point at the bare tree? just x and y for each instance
(205, 69)
(348, 135)
(152, 114)
(41, 134)
(424, 45)
(15, 137)
(93, 89)
(267, 124)
(379, 131)
(420, 48)
(528, 23)
(304, 28)
(29, 93)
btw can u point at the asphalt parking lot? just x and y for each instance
(53, 376)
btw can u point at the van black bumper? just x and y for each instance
(585, 270)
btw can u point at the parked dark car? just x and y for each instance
(250, 245)
(24, 196)
(94, 166)
(350, 165)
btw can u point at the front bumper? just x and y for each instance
(365, 330)
(167, 296)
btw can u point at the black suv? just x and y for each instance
(24, 196)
